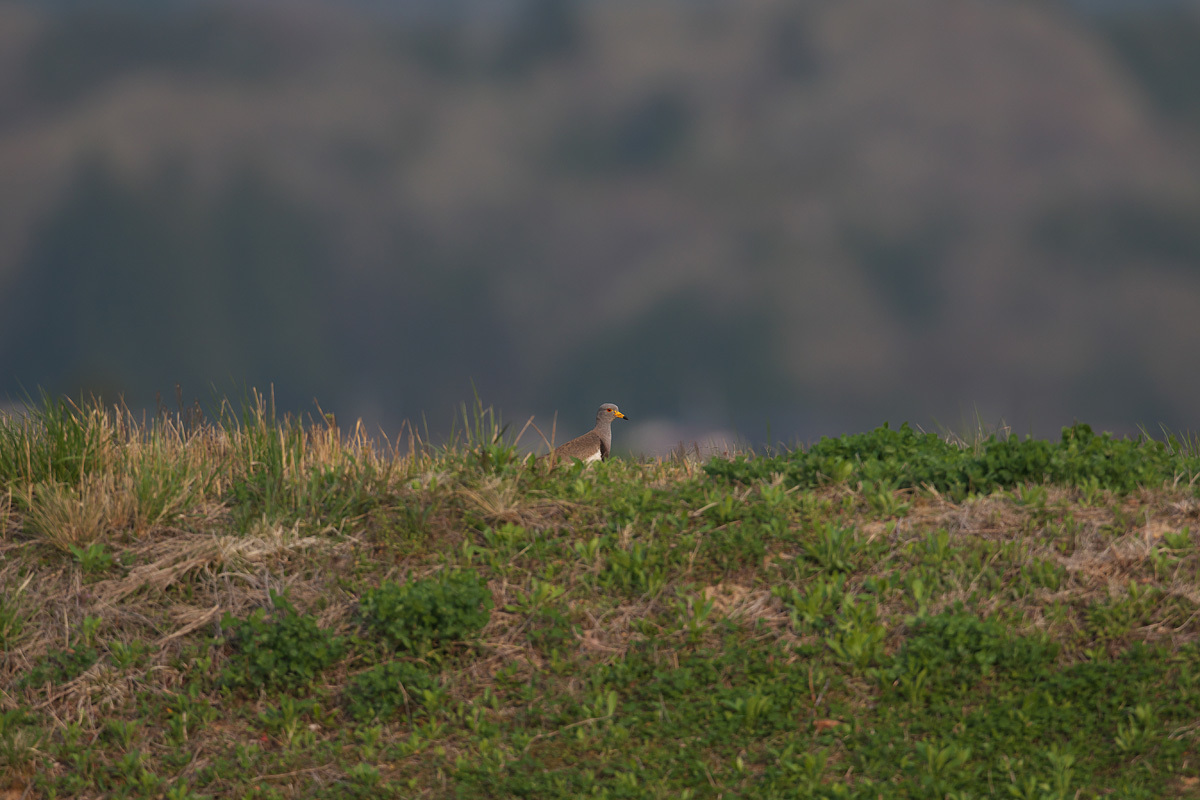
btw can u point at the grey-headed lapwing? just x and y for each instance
(594, 445)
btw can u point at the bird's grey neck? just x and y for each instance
(604, 428)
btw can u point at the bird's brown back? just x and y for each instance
(582, 447)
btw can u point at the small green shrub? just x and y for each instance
(637, 570)
(128, 654)
(816, 604)
(60, 666)
(550, 629)
(388, 689)
(833, 550)
(418, 616)
(1115, 617)
(286, 650)
(94, 558)
(956, 649)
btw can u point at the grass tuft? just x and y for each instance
(69, 516)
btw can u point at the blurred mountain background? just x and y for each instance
(722, 216)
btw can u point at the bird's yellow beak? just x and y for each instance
(620, 415)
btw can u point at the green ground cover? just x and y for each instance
(246, 606)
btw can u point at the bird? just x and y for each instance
(594, 445)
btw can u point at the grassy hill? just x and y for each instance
(246, 606)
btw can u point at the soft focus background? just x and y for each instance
(727, 217)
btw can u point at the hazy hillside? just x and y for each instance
(822, 214)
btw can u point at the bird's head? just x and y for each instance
(608, 411)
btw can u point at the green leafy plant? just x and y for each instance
(956, 649)
(127, 654)
(1139, 730)
(1180, 540)
(60, 666)
(421, 615)
(833, 549)
(286, 720)
(858, 635)
(93, 558)
(814, 605)
(390, 688)
(121, 732)
(282, 648)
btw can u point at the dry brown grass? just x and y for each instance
(498, 500)
(173, 559)
(738, 602)
(66, 516)
(216, 573)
